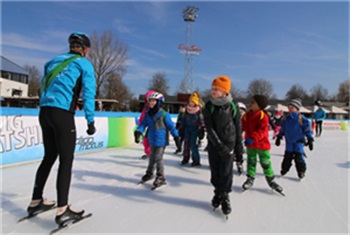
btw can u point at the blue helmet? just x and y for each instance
(79, 38)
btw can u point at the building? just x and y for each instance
(13, 81)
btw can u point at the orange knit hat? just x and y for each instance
(223, 83)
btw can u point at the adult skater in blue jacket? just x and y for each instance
(319, 116)
(65, 76)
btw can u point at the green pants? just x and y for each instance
(265, 162)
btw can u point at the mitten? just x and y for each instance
(137, 136)
(278, 140)
(248, 141)
(239, 167)
(91, 128)
(200, 133)
(177, 142)
(310, 143)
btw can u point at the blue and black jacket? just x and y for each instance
(63, 92)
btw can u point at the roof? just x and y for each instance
(9, 66)
(337, 110)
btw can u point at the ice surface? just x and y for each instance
(105, 183)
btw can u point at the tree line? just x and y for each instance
(108, 54)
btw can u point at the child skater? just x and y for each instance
(192, 127)
(294, 128)
(182, 110)
(145, 141)
(255, 124)
(223, 125)
(157, 120)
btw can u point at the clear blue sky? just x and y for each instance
(286, 43)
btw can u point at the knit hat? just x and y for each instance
(194, 97)
(261, 100)
(223, 83)
(296, 103)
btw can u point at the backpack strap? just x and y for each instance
(54, 72)
(212, 108)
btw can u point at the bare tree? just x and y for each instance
(343, 91)
(260, 87)
(318, 92)
(297, 91)
(114, 88)
(108, 55)
(34, 80)
(159, 83)
(237, 93)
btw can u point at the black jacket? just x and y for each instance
(223, 128)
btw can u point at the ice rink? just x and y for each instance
(105, 184)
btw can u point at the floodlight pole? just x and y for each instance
(189, 15)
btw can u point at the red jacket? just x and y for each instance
(256, 126)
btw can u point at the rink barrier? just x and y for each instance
(21, 137)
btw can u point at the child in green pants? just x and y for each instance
(255, 125)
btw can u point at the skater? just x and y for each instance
(277, 120)
(319, 117)
(192, 127)
(223, 125)
(294, 128)
(182, 110)
(59, 97)
(145, 141)
(255, 124)
(157, 121)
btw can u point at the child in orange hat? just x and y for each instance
(223, 126)
(191, 128)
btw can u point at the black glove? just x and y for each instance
(200, 133)
(278, 140)
(239, 168)
(225, 153)
(310, 143)
(137, 136)
(91, 128)
(177, 142)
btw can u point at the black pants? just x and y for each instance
(319, 127)
(221, 170)
(299, 161)
(59, 139)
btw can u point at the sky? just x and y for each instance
(104, 183)
(284, 42)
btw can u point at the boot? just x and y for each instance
(146, 177)
(272, 183)
(248, 183)
(32, 210)
(159, 180)
(225, 204)
(217, 199)
(68, 215)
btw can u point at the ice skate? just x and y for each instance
(248, 183)
(68, 215)
(216, 201)
(34, 210)
(158, 181)
(272, 183)
(144, 157)
(225, 204)
(145, 178)
(194, 164)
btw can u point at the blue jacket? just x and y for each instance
(295, 127)
(157, 126)
(64, 90)
(319, 115)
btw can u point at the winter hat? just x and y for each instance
(223, 83)
(296, 103)
(261, 100)
(194, 97)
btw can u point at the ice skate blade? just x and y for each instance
(35, 214)
(70, 223)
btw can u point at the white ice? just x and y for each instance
(105, 184)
